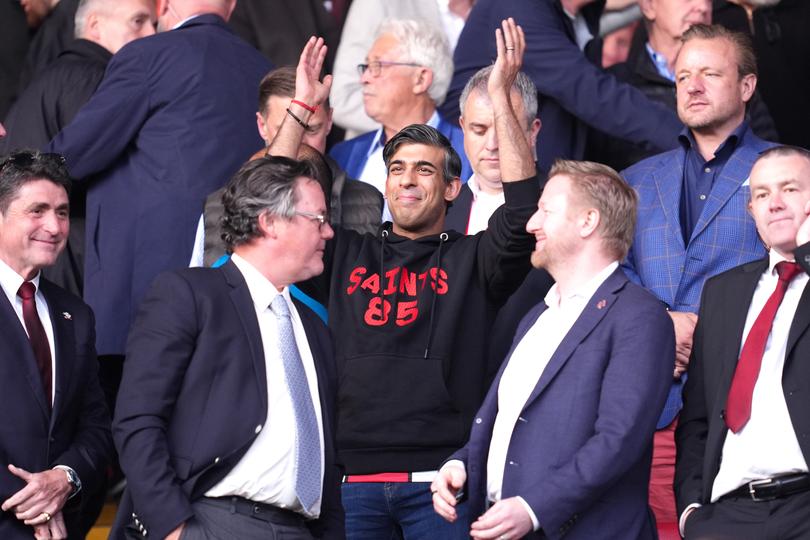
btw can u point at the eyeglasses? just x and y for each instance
(24, 160)
(375, 67)
(320, 218)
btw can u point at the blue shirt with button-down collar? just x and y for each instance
(699, 175)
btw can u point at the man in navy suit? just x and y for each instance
(743, 446)
(405, 77)
(693, 221)
(170, 123)
(225, 419)
(562, 442)
(55, 443)
(564, 62)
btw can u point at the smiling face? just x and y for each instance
(34, 227)
(711, 94)
(416, 190)
(780, 190)
(554, 224)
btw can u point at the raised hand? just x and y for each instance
(511, 44)
(308, 86)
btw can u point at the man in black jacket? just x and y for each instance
(53, 98)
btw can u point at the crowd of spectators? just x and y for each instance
(463, 219)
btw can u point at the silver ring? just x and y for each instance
(47, 516)
(509, 49)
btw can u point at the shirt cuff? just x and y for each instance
(454, 463)
(682, 520)
(535, 523)
(75, 488)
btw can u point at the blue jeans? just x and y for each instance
(398, 511)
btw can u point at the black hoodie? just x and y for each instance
(411, 348)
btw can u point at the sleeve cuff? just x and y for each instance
(682, 520)
(72, 478)
(535, 522)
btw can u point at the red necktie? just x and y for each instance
(738, 406)
(36, 335)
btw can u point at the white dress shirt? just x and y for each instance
(483, 205)
(767, 445)
(266, 473)
(526, 365)
(10, 282)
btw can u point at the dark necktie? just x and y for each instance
(738, 405)
(36, 335)
(307, 438)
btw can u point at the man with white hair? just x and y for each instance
(405, 76)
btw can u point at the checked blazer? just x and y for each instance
(724, 237)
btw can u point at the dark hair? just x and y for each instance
(784, 150)
(265, 184)
(278, 82)
(25, 166)
(424, 134)
(323, 174)
(746, 59)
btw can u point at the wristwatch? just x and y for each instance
(72, 478)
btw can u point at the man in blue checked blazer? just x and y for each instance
(693, 221)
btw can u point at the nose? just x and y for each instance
(775, 202)
(366, 77)
(535, 222)
(327, 231)
(491, 140)
(54, 224)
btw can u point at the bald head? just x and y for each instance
(172, 12)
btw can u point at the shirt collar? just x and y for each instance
(687, 138)
(584, 291)
(660, 63)
(11, 281)
(379, 136)
(262, 291)
(775, 258)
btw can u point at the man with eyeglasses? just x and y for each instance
(225, 418)
(405, 77)
(55, 441)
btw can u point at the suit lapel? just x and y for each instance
(243, 304)
(668, 180)
(65, 344)
(801, 321)
(20, 352)
(595, 310)
(737, 298)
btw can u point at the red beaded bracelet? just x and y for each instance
(305, 106)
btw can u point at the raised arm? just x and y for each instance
(310, 93)
(516, 158)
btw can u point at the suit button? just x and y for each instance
(258, 428)
(478, 420)
(513, 464)
(216, 460)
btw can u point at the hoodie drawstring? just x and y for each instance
(442, 239)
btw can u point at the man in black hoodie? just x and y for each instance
(411, 307)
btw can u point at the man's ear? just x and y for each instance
(424, 78)
(267, 224)
(261, 125)
(589, 222)
(747, 86)
(452, 189)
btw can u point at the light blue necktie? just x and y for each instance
(307, 439)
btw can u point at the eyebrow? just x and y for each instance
(417, 163)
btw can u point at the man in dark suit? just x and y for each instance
(149, 145)
(692, 220)
(55, 441)
(211, 439)
(563, 61)
(562, 442)
(743, 446)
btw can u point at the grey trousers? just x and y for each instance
(215, 519)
